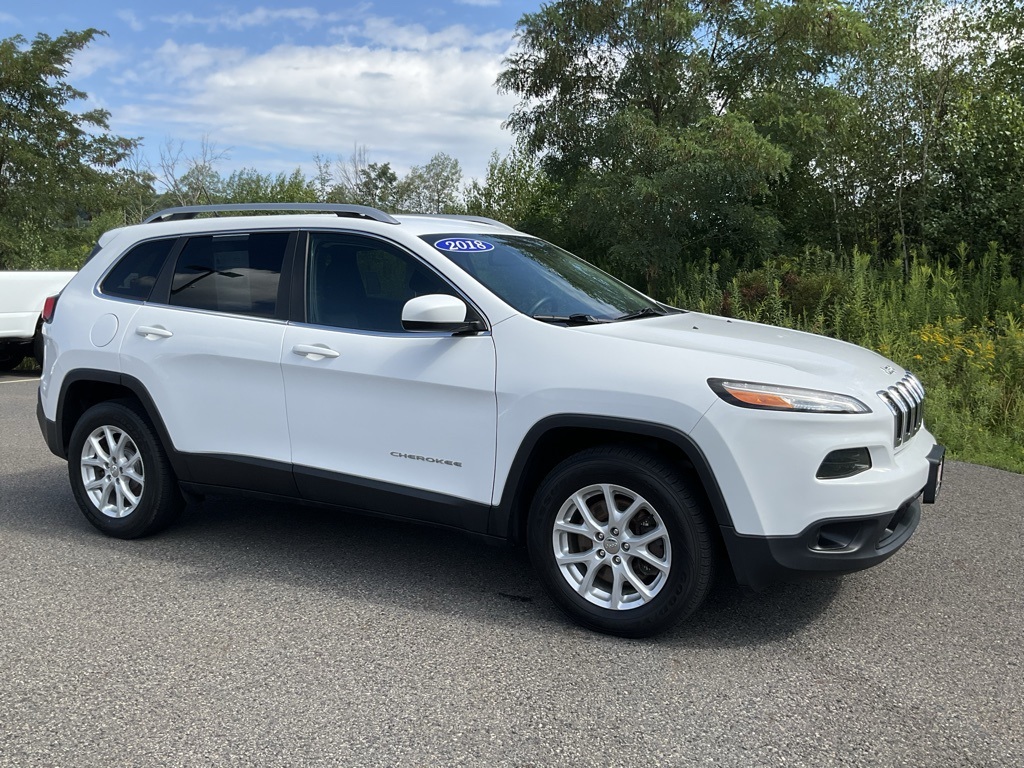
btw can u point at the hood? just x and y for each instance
(737, 342)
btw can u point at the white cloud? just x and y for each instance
(480, 3)
(128, 17)
(306, 17)
(93, 58)
(259, 17)
(385, 33)
(173, 62)
(6, 18)
(423, 93)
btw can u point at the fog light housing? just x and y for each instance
(845, 462)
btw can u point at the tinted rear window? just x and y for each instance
(236, 273)
(135, 274)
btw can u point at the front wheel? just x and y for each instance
(119, 472)
(621, 541)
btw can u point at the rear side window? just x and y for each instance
(236, 273)
(135, 274)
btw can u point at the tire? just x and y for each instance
(635, 576)
(119, 472)
(38, 345)
(11, 356)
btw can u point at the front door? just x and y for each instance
(380, 418)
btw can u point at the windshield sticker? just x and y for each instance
(463, 245)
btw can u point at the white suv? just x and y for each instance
(454, 371)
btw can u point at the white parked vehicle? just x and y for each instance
(21, 305)
(454, 371)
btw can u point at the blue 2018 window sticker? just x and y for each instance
(463, 245)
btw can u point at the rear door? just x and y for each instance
(207, 346)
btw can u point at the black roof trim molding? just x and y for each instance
(353, 211)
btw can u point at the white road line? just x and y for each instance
(17, 381)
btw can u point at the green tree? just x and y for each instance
(432, 188)
(668, 124)
(514, 190)
(377, 187)
(360, 182)
(932, 153)
(58, 166)
(249, 185)
(323, 178)
(191, 179)
(976, 191)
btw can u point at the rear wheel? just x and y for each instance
(11, 356)
(119, 472)
(38, 345)
(621, 541)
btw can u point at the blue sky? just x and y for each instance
(270, 83)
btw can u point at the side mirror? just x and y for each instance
(438, 312)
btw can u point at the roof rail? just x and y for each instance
(467, 217)
(354, 211)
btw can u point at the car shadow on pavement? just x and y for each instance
(32, 373)
(735, 616)
(385, 563)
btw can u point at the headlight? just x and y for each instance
(772, 397)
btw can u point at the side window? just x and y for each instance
(135, 274)
(361, 283)
(238, 273)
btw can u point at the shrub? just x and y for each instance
(960, 329)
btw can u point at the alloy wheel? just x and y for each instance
(112, 471)
(612, 546)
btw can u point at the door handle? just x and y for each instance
(314, 351)
(153, 332)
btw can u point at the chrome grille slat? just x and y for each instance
(905, 399)
(904, 406)
(912, 404)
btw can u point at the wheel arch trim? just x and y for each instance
(506, 515)
(136, 388)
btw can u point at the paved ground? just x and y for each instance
(254, 634)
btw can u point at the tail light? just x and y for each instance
(49, 307)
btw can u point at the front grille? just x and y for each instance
(906, 401)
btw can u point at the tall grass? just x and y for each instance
(957, 322)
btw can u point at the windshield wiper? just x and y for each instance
(645, 312)
(569, 319)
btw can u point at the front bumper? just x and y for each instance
(831, 546)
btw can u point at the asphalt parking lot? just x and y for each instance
(268, 635)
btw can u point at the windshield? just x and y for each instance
(542, 280)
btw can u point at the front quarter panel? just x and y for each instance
(547, 370)
(764, 462)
